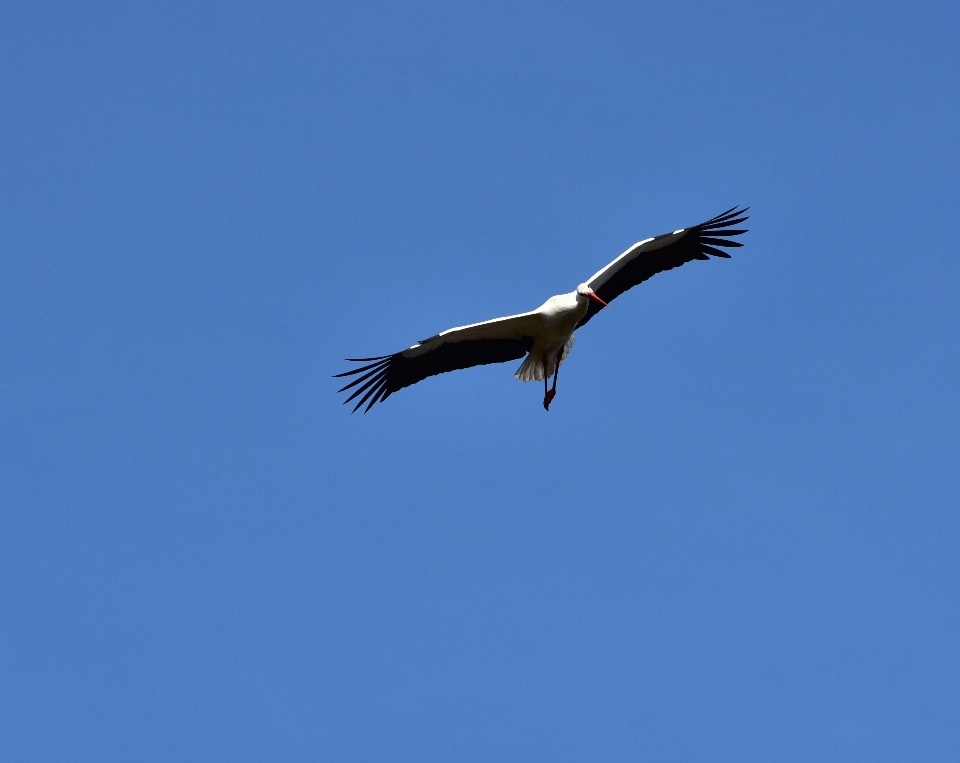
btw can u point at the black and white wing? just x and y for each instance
(671, 250)
(478, 344)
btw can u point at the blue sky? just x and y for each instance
(733, 537)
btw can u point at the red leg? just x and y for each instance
(547, 394)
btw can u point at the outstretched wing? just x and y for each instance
(478, 344)
(671, 250)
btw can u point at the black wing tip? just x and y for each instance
(717, 232)
(372, 384)
(376, 362)
(726, 219)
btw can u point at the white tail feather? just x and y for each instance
(530, 370)
(532, 367)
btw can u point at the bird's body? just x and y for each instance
(551, 326)
(544, 335)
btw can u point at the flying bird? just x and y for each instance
(544, 335)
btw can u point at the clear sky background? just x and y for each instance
(736, 534)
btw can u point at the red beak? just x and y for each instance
(595, 298)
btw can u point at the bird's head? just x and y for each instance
(585, 292)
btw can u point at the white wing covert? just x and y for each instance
(670, 250)
(495, 341)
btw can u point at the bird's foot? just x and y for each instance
(548, 398)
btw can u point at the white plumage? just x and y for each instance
(544, 335)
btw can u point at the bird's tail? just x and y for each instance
(532, 367)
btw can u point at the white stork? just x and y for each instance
(544, 335)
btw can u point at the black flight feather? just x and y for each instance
(696, 243)
(394, 372)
